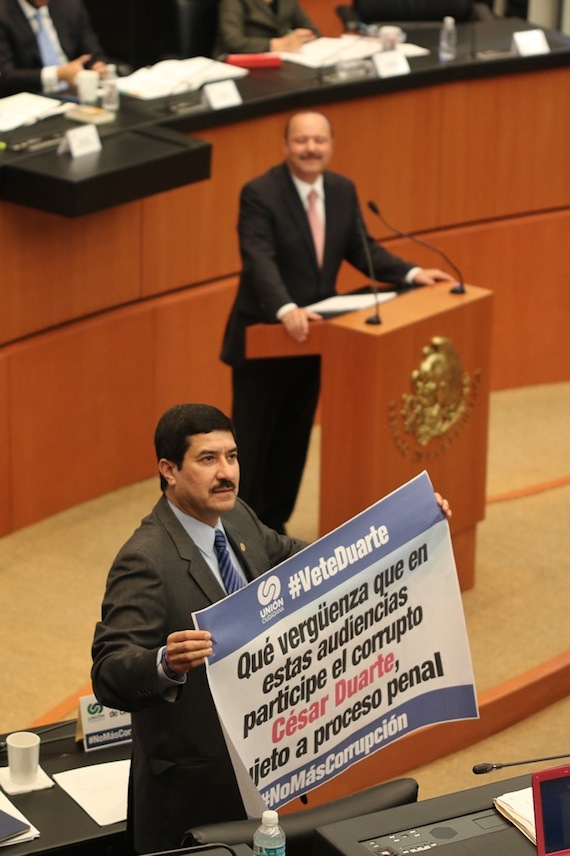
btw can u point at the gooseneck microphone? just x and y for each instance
(487, 768)
(374, 319)
(457, 289)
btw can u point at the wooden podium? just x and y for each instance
(408, 395)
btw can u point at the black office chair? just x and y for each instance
(197, 25)
(386, 11)
(299, 826)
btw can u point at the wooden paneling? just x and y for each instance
(81, 420)
(189, 331)
(525, 261)
(323, 15)
(504, 146)
(479, 167)
(189, 235)
(5, 453)
(56, 270)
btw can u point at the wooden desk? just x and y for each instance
(102, 317)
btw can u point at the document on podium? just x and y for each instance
(341, 303)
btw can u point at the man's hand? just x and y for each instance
(187, 649)
(296, 322)
(443, 504)
(68, 72)
(429, 276)
(293, 41)
(100, 67)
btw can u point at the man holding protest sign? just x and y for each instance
(146, 660)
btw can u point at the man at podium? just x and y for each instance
(297, 223)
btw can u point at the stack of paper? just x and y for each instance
(30, 831)
(518, 807)
(325, 52)
(175, 76)
(25, 108)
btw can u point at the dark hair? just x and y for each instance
(176, 427)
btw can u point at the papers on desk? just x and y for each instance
(324, 52)
(30, 833)
(172, 76)
(100, 790)
(25, 108)
(341, 303)
(518, 807)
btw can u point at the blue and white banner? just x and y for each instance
(349, 645)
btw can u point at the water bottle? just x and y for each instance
(448, 39)
(269, 838)
(110, 99)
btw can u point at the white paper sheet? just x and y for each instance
(325, 52)
(350, 302)
(100, 790)
(172, 76)
(25, 108)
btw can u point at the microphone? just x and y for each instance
(487, 768)
(457, 289)
(374, 319)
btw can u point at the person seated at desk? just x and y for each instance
(257, 26)
(44, 43)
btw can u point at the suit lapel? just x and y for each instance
(198, 568)
(296, 212)
(263, 12)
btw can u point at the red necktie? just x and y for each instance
(317, 225)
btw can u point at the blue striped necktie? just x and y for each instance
(230, 577)
(48, 52)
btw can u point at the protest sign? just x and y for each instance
(354, 642)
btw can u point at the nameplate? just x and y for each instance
(81, 141)
(390, 63)
(221, 94)
(530, 43)
(102, 726)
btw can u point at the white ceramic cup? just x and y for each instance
(87, 83)
(391, 37)
(23, 757)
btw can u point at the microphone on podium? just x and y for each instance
(487, 768)
(457, 289)
(374, 319)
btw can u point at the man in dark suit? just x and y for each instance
(274, 400)
(255, 26)
(71, 37)
(145, 660)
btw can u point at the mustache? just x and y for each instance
(311, 156)
(224, 484)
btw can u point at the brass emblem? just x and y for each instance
(440, 403)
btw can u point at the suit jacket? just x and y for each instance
(20, 61)
(181, 774)
(246, 26)
(279, 263)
